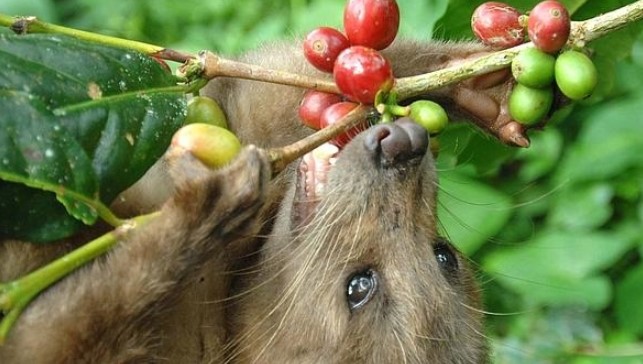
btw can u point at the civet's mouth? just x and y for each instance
(312, 176)
(314, 168)
(396, 148)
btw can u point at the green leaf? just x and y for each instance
(47, 65)
(629, 310)
(582, 206)
(462, 143)
(39, 153)
(453, 140)
(542, 156)
(637, 50)
(560, 268)
(612, 48)
(456, 22)
(470, 212)
(628, 80)
(31, 205)
(123, 134)
(419, 17)
(546, 334)
(84, 121)
(608, 144)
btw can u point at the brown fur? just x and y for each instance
(221, 277)
(374, 218)
(111, 310)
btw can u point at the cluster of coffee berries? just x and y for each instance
(205, 134)
(358, 68)
(360, 71)
(536, 69)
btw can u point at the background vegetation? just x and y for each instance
(556, 230)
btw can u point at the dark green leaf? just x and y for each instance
(84, 122)
(63, 71)
(456, 22)
(124, 134)
(31, 205)
(39, 153)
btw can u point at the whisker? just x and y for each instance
(400, 344)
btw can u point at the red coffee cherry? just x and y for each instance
(333, 114)
(322, 46)
(497, 24)
(313, 104)
(549, 26)
(371, 23)
(361, 72)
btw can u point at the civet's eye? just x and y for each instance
(446, 258)
(361, 288)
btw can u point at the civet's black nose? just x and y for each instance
(397, 142)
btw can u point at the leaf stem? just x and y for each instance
(183, 88)
(101, 209)
(31, 24)
(393, 109)
(17, 294)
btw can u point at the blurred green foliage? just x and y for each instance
(556, 230)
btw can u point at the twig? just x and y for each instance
(594, 28)
(407, 87)
(31, 24)
(582, 33)
(214, 66)
(281, 157)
